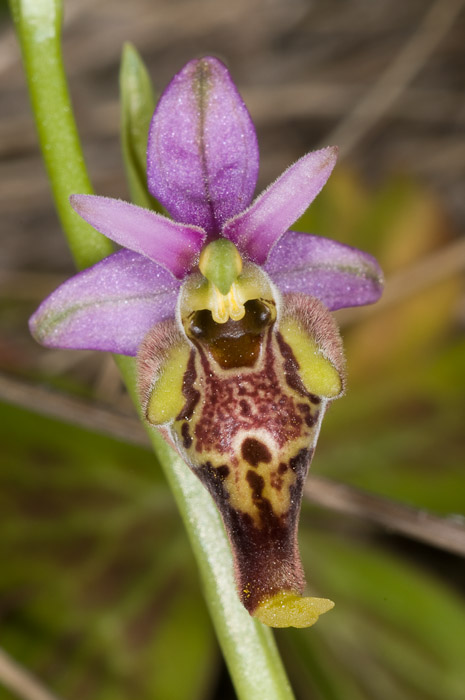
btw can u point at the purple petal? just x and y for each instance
(335, 273)
(110, 306)
(257, 229)
(165, 242)
(202, 160)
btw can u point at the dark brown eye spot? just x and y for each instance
(258, 315)
(257, 318)
(254, 452)
(200, 323)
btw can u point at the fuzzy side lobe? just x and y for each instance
(249, 434)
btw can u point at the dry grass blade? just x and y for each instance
(82, 414)
(17, 679)
(413, 55)
(445, 533)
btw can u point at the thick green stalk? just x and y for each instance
(248, 646)
(38, 25)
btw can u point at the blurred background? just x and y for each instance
(99, 594)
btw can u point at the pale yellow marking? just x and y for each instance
(166, 399)
(280, 500)
(225, 306)
(286, 609)
(217, 304)
(236, 307)
(240, 491)
(317, 373)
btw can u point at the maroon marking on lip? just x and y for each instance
(254, 452)
(225, 396)
(300, 463)
(186, 436)
(191, 395)
(309, 418)
(291, 370)
(266, 556)
(244, 405)
(276, 481)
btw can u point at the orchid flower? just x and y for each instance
(227, 311)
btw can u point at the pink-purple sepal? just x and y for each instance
(110, 306)
(257, 229)
(168, 243)
(202, 158)
(337, 274)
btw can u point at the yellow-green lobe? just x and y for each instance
(166, 399)
(317, 373)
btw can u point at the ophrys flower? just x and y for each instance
(228, 312)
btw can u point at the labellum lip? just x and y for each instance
(247, 427)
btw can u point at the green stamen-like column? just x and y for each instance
(221, 264)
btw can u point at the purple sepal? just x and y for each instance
(335, 273)
(256, 230)
(202, 158)
(110, 306)
(167, 243)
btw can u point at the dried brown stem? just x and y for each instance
(22, 683)
(371, 108)
(445, 533)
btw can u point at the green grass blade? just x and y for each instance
(137, 105)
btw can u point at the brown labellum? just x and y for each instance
(245, 414)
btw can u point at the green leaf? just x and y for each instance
(137, 106)
(184, 640)
(80, 479)
(395, 630)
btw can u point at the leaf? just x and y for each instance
(395, 630)
(183, 654)
(137, 107)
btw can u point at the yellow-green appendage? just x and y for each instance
(317, 373)
(166, 399)
(286, 609)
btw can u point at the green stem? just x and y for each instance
(38, 25)
(248, 646)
